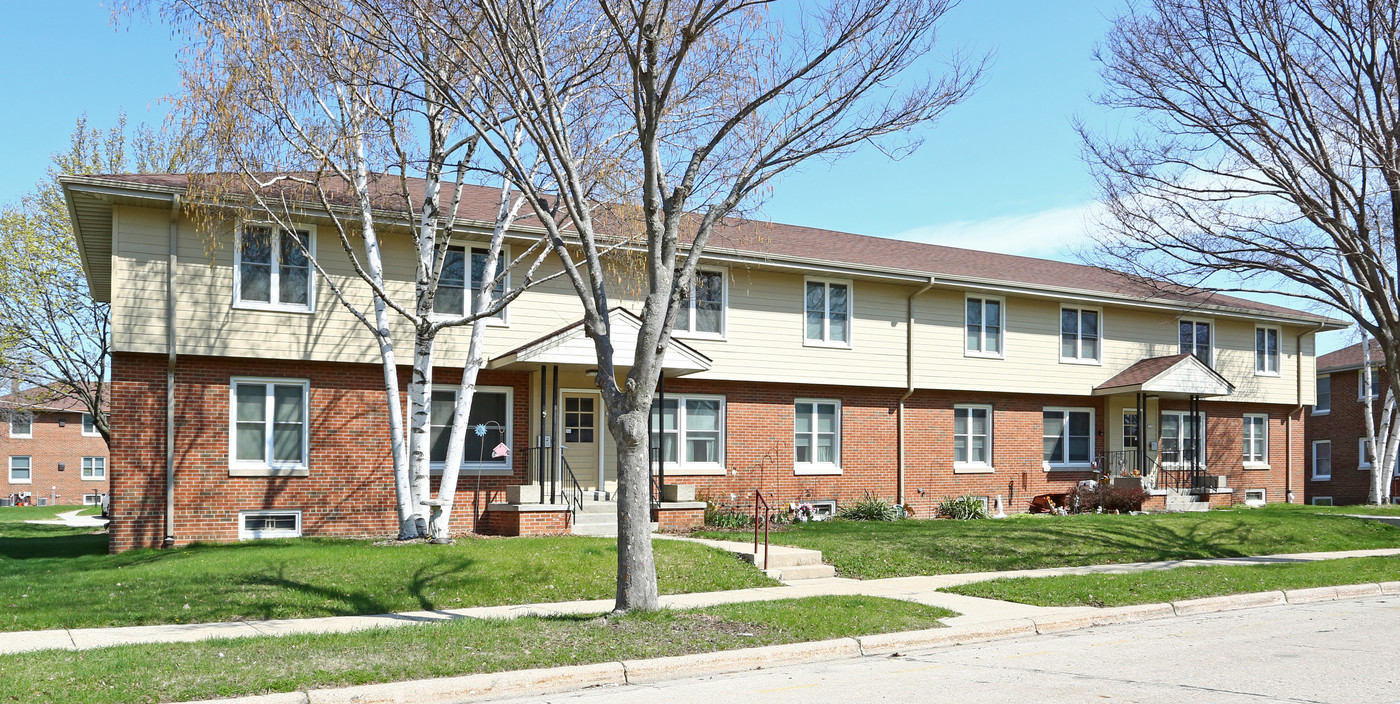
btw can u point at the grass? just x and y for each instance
(43, 567)
(1359, 510)
(235, 667)
(902, 548)
(1183, 583)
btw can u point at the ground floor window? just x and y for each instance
(689, 431)
(269, 419)
(94, 468)
(1322, 460)
(1256, 439)
(972, 436)
(817, 436)
(488, 425)
(21, 471)
(1068, 437)
(1180, 439)
(1363, 454)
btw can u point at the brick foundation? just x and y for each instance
(678, 519)
(512, 521)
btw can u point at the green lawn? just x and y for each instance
(234, 667)
(57, 577)
(913, 547)
(1183, 583)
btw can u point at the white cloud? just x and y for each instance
(1051, 234)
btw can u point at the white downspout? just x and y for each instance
(170, 357)
(908, 391)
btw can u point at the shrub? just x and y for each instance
(962, 508)
(1107, 499)
(869, 508)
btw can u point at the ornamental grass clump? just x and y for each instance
(869, 508)
(963, 508)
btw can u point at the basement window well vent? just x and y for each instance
(1254, 497)
(824, 509)
(254, 525)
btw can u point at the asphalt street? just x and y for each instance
(1342, 651)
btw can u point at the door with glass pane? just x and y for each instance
(581, 437)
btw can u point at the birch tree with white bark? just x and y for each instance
(301, 117)
(1262, 156)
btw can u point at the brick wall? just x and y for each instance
(57, 439)
(1344, 425)
(526, 522)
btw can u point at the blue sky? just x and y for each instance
(1001, 171)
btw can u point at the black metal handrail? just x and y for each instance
(573, 497)
(759, 501)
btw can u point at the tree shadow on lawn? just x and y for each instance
(62, 544)
(358, 602)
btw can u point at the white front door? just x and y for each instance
(581, 437)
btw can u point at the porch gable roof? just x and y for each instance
(570, 345)
(1173, 374)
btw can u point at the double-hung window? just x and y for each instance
(972, 437)
(488, 425)
(1266, 351)
(1068, 437)
(1181, 436)
(984, 326)
(1363, 454)
(1256, 440)
(1195, 339)
(89, 427)
(1324, 396)
(94, 468)
(270, 421)
(453, 294)
(688, 433)
(272, 270)
(1079, 335)
(1361, 384)
(701, 312)
(21, 424)
(1322, 460)
(828, 313)
(817, 437)
(21, 469)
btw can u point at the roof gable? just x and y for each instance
(571, 345)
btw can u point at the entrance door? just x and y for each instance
(581, 437)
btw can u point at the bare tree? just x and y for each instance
(700, 105)
(1266, 158)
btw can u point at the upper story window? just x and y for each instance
(1324, 396)
(1361, 384)
(94, 468)
(972, 436)
(690, 431)
(817, 437)
(1068, 437)
(984, 325)
(269, 419)
(89, 427)
(1195, 338)
(453, 297)
(272, 270)
(1266, 351)
(21, 424)
(828, 308)
(1079, 335)
(701, 312)
(491, 409)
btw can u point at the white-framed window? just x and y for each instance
(1322, 501)
(985, 321)
(1068, 437)
(271, 269)
(21, 469)
(90, 427)
(827, 309)
(1363, 454)
(1080, 335)
(92, 499)
(94, 469)
(453, 295)
(1180, 441)
(690, 432)
(491, 411)
(972, 437)
(1361, 384)
(1195, 338)
(1322, 460)
(21, 424)
(268, 423)
(1130, 430)
(1266, 351)
(704, 310)
(1255, 497)
(1256, 440)
(255, 525)
(816, 436)
(1324, 396)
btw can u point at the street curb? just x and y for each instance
(469, 688)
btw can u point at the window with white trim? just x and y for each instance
(702, 311)
(1256, 439)
(491, 412)
(256, 525)
(1363, 454)
(1068, 437)
(94, 468)
(1194, 338)
(1079, 335)
(827, 319)
(269, 419)
(272, 269)
(1254, 497)
(21, 424)
(1180, 441)
(1322, 460)
(1266, 351)
(690, 431)
(1361, 384)
(21, 469)
(1322, 501)
(817, 436)
(1324, 396)
(984, 323)
(972, 436)
(453, 296)
(89, 427)
(92, 499)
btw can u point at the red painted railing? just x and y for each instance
(759, 501)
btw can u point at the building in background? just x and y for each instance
(1338, 470)
(52, 452)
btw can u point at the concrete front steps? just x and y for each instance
(785, 564)
(598, 518)
(1177, 502)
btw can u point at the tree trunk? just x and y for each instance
(636, 570)
(420, 395)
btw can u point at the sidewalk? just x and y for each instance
(923, 589)
(73, 520)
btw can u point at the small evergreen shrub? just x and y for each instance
(962, 508)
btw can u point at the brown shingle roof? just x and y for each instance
(1142, 371)
(773, 240)
(1349, 357)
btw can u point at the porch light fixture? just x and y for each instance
(590, 372)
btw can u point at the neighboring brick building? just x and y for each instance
(52, 453)
(1338, 472)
